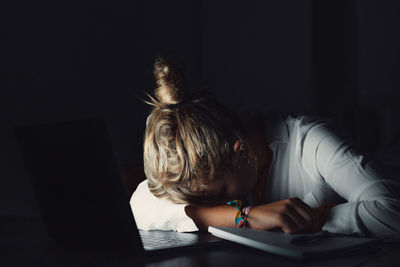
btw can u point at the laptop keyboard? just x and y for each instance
(154, 240)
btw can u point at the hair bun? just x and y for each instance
(170, 82)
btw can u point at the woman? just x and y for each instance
(294, 174)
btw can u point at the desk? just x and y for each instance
(24, 242)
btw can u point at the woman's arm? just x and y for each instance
(288, 215)
(373, 206)
(204, 216)
(151, 213)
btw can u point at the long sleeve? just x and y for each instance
(373, 198)
(152, 213)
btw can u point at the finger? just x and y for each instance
(296, 218)
(306, 211)
(288, 225)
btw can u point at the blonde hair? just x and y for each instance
(188, 138)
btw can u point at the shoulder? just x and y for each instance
(305, 123)
(312, 133)
(314, 128)
(285, 128)
(293, 128)
(309, 135)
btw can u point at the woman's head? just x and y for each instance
(189, 139)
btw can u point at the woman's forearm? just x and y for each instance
(290, 215)
(204, 216)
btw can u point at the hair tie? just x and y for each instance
(172, 106)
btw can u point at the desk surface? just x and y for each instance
(24, 242)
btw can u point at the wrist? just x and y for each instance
(253, 218)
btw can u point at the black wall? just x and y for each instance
(83, 59)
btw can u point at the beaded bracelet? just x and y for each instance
(241, 214)
(245, 213)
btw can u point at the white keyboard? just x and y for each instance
(155, 240)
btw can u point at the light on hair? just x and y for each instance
(187, 145)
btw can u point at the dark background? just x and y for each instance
(80, 59)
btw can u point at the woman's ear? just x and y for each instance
(236, 146)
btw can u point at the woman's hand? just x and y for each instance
(290, 215)
(323, 213)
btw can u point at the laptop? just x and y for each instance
(80, 193)
(301, 247)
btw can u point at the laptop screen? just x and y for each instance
(77, 183)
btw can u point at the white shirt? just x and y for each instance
(311, 161)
